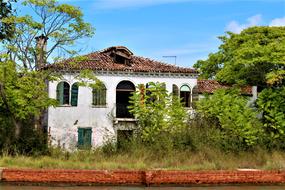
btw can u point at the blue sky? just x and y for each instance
(187, 29)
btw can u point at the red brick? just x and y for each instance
(142, 177)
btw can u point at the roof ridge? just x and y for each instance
(102, 60)
(162, 62)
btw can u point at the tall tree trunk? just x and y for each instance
(18, 127)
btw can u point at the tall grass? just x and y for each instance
(199, 147)
(144, 158)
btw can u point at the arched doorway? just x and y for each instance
(123, 93)
(185, 95)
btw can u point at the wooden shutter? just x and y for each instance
(103, 96)
(84, 137)
(175, 90)
(66, 93)
(74, 94)
(87, 138)
(59, 93)
(80, 137)
(95, 97)
(99, 96)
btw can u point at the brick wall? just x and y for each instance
(215, 177)
(142, 177)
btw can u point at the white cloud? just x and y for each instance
(278, 22)
(236, 27)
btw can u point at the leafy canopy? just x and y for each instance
(23, 90)
(60, 24)
(256, 56)
(23, 94)
(6, 29)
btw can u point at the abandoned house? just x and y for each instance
(90, 117)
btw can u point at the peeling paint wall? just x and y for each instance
(64, 121)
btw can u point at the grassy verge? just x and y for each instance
(146, 159)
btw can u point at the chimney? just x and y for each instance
(41, 48)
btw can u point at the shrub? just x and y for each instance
(238, 123)
(160, 115)
(271, 102)
(30, 142)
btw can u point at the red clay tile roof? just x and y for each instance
(102, 60)
(209, 86)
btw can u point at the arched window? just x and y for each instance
(62, 93)
(126, 86)
(74, 94)
(185, 95)
(124, 91)
(99, 95)
(195, 96)
(175, 90)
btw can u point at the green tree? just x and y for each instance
(6, 29)
(158, 112)
(59, 25)
(271, 103)
(23, 90)
(22, 94)
(256, 57)
(230, 111)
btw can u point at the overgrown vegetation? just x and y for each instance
(161, 116)
(271, 102)
(141, 157)
(24, 52)
(253, 57)
(227, 131)
(229, 112)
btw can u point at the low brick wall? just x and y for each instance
(216, 177)
(1, 174)
(74, 176)
(161, 177)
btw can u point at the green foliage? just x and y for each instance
(229, 110)
(23, 97)
(210, 67)
(60, 24)
(25, 91)
(30, 141)
(159, 114)
(256, 56)
(6, 29)
(271, 102)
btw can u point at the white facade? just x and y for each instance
(64, 121)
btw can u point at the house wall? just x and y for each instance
(64, 121)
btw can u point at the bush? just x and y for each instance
(31, 141)
(238, 124)
(271, 102)
(160, 116)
